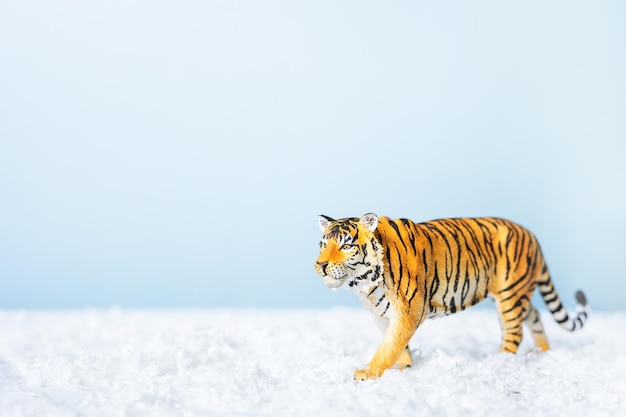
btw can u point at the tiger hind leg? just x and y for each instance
(533, 322)
(511, 319)
(405, 360)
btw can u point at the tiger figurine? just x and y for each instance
(406, 272)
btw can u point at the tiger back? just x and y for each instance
(406, 272)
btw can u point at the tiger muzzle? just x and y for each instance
(320, 267)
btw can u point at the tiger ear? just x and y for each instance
(370, 220)
(324, 221)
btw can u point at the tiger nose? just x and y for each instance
(322, 266)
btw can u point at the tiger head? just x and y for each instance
(349, 251)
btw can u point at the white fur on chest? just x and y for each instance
(374, 299)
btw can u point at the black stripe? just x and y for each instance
(380, 300)
(408, 225)
(412, 295)
(563, 320)
(434, 287)
(388, 256)
(423, 303)
(394, 226)
(466, 286)
(400, 269)
(553, 295)
(512, 285)
(386, 308)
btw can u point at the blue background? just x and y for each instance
(176, 154)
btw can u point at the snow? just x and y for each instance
(298, 363)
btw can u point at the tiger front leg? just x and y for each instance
(392, 350)
(405, 360)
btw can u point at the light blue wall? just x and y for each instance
(158, 154)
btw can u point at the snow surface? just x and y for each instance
(298, 363)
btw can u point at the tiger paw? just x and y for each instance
(364, 374)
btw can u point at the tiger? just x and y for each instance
(405, 272)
